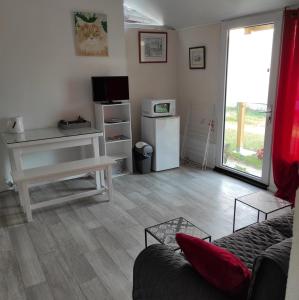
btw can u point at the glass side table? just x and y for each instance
(165, 232)
(262, 202)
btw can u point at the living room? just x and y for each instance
(53, 247)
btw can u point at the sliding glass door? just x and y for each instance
(250, 69)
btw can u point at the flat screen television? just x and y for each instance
(109, 89)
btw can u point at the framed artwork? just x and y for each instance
(91, 34)
(152, 47)
(197, 57)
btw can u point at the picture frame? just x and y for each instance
(90, 33)
(152, 47)
(197, 57)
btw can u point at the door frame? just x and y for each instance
(260, 19)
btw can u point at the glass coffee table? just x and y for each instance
(261, 201)
(165, 232)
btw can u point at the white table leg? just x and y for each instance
(16, 163)
(96, 153)
(109, 183)
(17, 166)
(102, 178)
(17, 159)
(24, 195)
(21, 198)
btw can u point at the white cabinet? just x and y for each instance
(115, 122)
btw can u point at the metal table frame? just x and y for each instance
(146, 231)
(258, 213)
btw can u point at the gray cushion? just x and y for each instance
(250, 242)
(270, 272)
(283, 223)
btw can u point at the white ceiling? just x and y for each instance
(185, 13)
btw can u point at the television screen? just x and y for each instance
(112, 88)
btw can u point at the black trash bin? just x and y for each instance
(143, 157)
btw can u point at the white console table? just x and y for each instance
(47, 139)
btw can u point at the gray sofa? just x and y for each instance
(162, 274)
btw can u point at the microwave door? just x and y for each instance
(162, 108)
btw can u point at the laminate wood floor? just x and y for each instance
(86, 250)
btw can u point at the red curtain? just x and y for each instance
(286, 126)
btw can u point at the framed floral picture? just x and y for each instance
(91, 34)
(197, 57)
(152, 47)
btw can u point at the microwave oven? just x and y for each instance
(154, 108)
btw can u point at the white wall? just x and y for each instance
(199, 89)
(149, 80)
(41, 78)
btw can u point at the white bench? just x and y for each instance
(54, 172)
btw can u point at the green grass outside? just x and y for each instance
(252, 141)
(252, 116)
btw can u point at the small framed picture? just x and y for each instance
(197, 57)
(152, 47)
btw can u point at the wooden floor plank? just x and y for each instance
(122, 201)
(11, 283)
(80, 234)
(39, 291)
(124, 238)
(41, 237)
(95, 290)
(141, 217)
(115, 282)
(115, 251)
(110, 211)
(78, 267)
(85, 216)
(31, 270)
(62, 284)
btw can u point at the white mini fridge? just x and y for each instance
(164, 135)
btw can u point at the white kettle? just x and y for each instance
(15, 125)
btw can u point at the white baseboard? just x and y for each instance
(196, 154)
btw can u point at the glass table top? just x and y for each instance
(165, 232)
(264, 201)
(44, 134)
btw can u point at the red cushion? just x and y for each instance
(218, 266)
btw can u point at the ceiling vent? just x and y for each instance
(132, 16)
